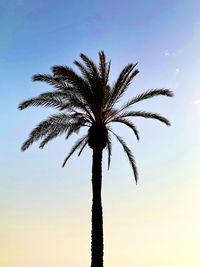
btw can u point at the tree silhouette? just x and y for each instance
(87, 100)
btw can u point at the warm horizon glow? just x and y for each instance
(45, 209)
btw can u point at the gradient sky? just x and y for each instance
(45, 209)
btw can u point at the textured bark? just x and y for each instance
(97, 215)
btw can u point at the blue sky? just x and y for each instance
(42, 204)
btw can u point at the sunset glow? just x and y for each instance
(45, 210)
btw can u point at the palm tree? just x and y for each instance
(87, 100)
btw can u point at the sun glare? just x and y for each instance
(196, 102)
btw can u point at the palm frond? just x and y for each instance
(105, 97)
(80, 85)
(147, 115)
(109, 114)
(118, 87)
(90, 65)
(69, 75)
(66, 73)
(45, 127)
(147, 95)
(48, 138)
(95, 83)
(104, 68)
(71, 107)
(78, 143)
(75, 126)
(127, 83)
(78, 103)
(94, 80)
(80, 115)
(63, 123)
(51, 80)
(49, 99)
(109, 147)
(38, 132)
(129, 124)
(107, 71)
(86, 74)
(83, 146)
(129, 155)
(60, 118)
(57, 130)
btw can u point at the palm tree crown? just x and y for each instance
(87, 100)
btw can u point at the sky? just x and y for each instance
(45, 209)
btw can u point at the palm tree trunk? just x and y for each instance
(97, 215)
